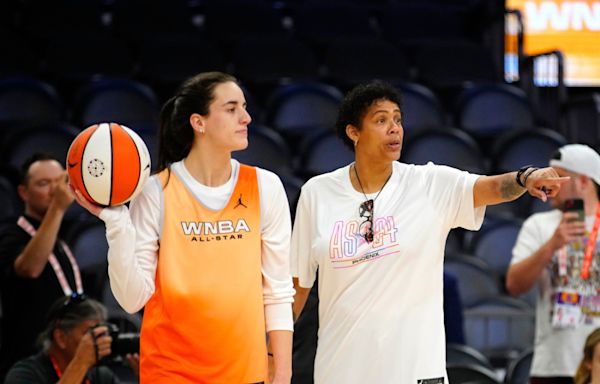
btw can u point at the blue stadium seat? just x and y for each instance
(459, 354)
(489, 109)
(515, 149)
(447, 146)
(54, 139)
(519, 368)
(120, 101)
(29, 101)
(266, 149)
(421, 108)
(476, 281)
(90, 247)
(301, 108)
(500, 327)
(323, 152)
(494, 244)
(470, 374)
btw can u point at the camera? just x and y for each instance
(122, 342)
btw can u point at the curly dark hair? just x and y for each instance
(355, 104)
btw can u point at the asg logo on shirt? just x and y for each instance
(205, 231)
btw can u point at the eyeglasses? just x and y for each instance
(366, 228)
(70, 301)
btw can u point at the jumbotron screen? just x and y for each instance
(572, 27)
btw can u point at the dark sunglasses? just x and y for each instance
(366, 227)
(70, 301)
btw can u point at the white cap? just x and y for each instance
(578, 158)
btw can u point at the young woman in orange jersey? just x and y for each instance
(205, 248)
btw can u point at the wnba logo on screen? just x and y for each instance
(562, 15)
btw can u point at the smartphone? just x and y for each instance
(575, 205)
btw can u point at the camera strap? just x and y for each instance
(590, 246)
(60, 275)
(59, 372)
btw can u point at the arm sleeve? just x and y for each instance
(451, 191)
(278, 290)
(304, 265)
(133, 245)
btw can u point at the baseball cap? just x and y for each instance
(578, 158)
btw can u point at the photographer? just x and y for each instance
(557, 251)
(74, 341)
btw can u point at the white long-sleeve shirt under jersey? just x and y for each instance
(133, 238)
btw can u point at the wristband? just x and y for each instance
(520, 173)
(527, 174)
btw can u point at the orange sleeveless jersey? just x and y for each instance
(205, 322)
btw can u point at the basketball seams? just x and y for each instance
(114, 183)
(112, 162)
(74, 154)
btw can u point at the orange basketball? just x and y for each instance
(108, 163)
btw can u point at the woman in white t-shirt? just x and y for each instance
(376, 230)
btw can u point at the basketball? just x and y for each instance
(109, 163)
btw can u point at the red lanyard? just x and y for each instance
(27, 227)
(590, 246)
(59, 372)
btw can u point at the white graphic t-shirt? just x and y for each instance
(381, 311)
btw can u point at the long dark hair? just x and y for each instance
(193, 96)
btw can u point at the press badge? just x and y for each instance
(567, 309)
(590, 305)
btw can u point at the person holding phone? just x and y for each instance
(557, 251)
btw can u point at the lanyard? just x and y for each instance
(27, 227)
(590, 246)
(59, 372)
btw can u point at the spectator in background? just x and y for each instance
(552, 252)
(74, 341)
(589, 367)
(36, 267)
